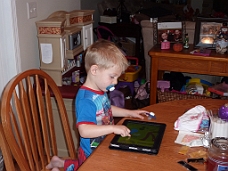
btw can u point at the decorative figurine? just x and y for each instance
(164, 37)
(221, 46)
(223, 33)
(222, 40)
(223, 112)
(177, 35)
(186, 41)
(177, 47)
(165, 44)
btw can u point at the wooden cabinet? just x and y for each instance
(167, 60)
(52, 47)
(82, 19)
(87, 35)
(62, 37)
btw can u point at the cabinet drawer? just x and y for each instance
(219, 67)
(183, 65)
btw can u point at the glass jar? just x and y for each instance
(218, 154)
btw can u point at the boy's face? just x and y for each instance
(107, 77)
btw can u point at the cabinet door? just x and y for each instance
(87, 35)
(53, 55)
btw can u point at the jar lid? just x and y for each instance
(220, 142)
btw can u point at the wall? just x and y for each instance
(220, 6)
(197, 4)
(27, 29)
(18, 35)
(92, 5)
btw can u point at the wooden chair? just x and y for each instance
(8, 158)
(27, 120)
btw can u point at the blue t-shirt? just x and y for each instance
(92, 107)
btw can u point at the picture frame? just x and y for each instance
(207, 31)
(169, 31)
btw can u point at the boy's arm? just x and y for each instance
(93, 131)
(120, 112)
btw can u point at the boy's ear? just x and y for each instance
(94, 69)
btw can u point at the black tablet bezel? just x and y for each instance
(137, 148)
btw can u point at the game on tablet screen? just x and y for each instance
(142, 135)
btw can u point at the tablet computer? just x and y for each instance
(146, 137)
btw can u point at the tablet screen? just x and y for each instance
(145, 137)
(141, 134)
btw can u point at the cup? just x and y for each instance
(218, 127)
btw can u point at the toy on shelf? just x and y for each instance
(219, 89)
(197, 86)
(131, 74)
(163, 85)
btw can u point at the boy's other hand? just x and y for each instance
(137, 113)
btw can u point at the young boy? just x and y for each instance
(104, 63)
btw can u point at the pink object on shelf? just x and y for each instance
(165, 45)
(163, 84)
(201, 52)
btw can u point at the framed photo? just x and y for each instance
(208, 31)
(168, 31)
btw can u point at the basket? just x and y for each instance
(170, 96)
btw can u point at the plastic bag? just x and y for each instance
(195, 119)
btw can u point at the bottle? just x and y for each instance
(186, 41)
(78, 62)
(76, 76)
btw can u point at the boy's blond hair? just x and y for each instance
(105, 54)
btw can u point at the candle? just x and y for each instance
(207, 40)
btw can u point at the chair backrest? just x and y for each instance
(28, 121)
(6, 153)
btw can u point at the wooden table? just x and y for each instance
(104, 159)
(168, 60)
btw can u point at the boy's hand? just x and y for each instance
(121, 130)
(137, 113)
(120, 112)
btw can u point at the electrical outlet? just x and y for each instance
(31, 10)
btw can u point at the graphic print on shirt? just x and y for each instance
(104, 113)
(103, 117)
